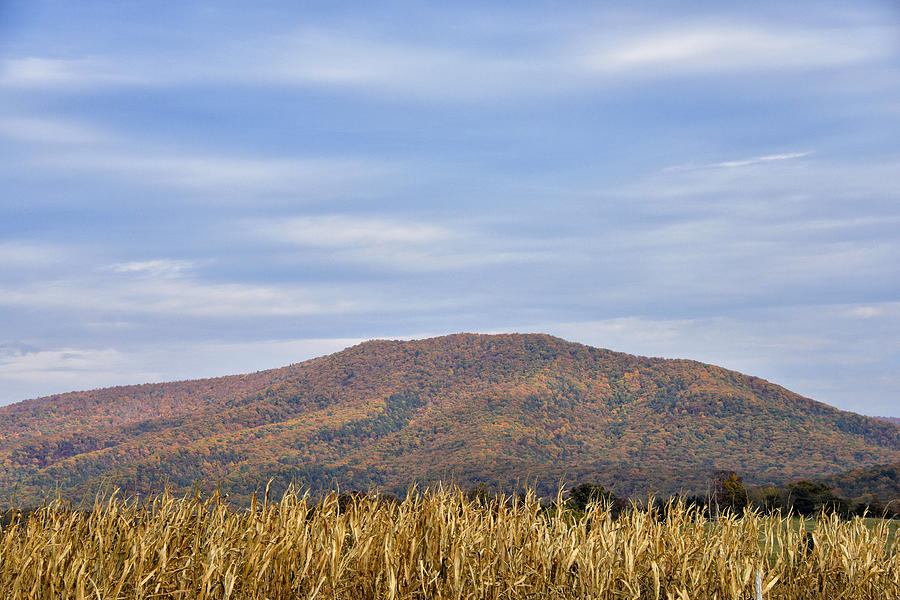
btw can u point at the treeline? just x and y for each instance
(727, 494)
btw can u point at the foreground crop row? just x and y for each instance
(437, 544)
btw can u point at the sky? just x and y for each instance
(192, 189)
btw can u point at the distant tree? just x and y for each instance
(767, 499)
(729, 491)
(346, 500)
(811, 497)
(701, 502)
(583, 494)
(479, 494)
(874, 507)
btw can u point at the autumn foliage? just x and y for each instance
(505, 409)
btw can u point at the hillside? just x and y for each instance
(496, 408)
(879, 482)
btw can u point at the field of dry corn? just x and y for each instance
(435, 545)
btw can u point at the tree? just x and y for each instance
(811, 497)
(729, 491)
(584, 494)
(768, 499)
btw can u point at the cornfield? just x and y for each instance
(437, 544)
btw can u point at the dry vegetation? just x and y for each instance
(437, 544)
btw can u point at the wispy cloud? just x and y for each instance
(50, 130)
(155, 268)
(205, 172)
(29, 365)
(694, 48)
(866, 312)
(39, 372)
(67, 146)
(747, 162)
(346, 230)
(329, 58)
(808, 187)
(62, 73)
(364, 60)
(398, 243)
(161, 288)
(29, 372)
(29, 254)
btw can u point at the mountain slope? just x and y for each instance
(500, 408)
(878, 482)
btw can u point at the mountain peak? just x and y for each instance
(467, 407)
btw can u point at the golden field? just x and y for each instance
(438, 544)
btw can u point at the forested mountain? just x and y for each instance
(469, 408)
(879, 482)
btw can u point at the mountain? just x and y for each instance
(468, 408)
(879, 482)
(895, 420)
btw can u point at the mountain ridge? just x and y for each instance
(473, 408)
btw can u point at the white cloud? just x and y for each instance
(345, 230)
(73, 147)
(158, 267)
(18, 254)
(694, 48)
(725, 341)
(327, 58)
(809, 188)
(28, 365)
(67, 73)
(48, 130)
(866, 312)
(339, 59)
(449, 258)
(475, 71)
(44, 372)
(198, 172)
(397, 244)
(731, 164)
(36, 372)
(312, 57)
(167, 292)
(332, 58)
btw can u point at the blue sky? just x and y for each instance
(200, 188)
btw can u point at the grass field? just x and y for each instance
(435, 545)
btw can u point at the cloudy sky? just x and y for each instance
(191, 189)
